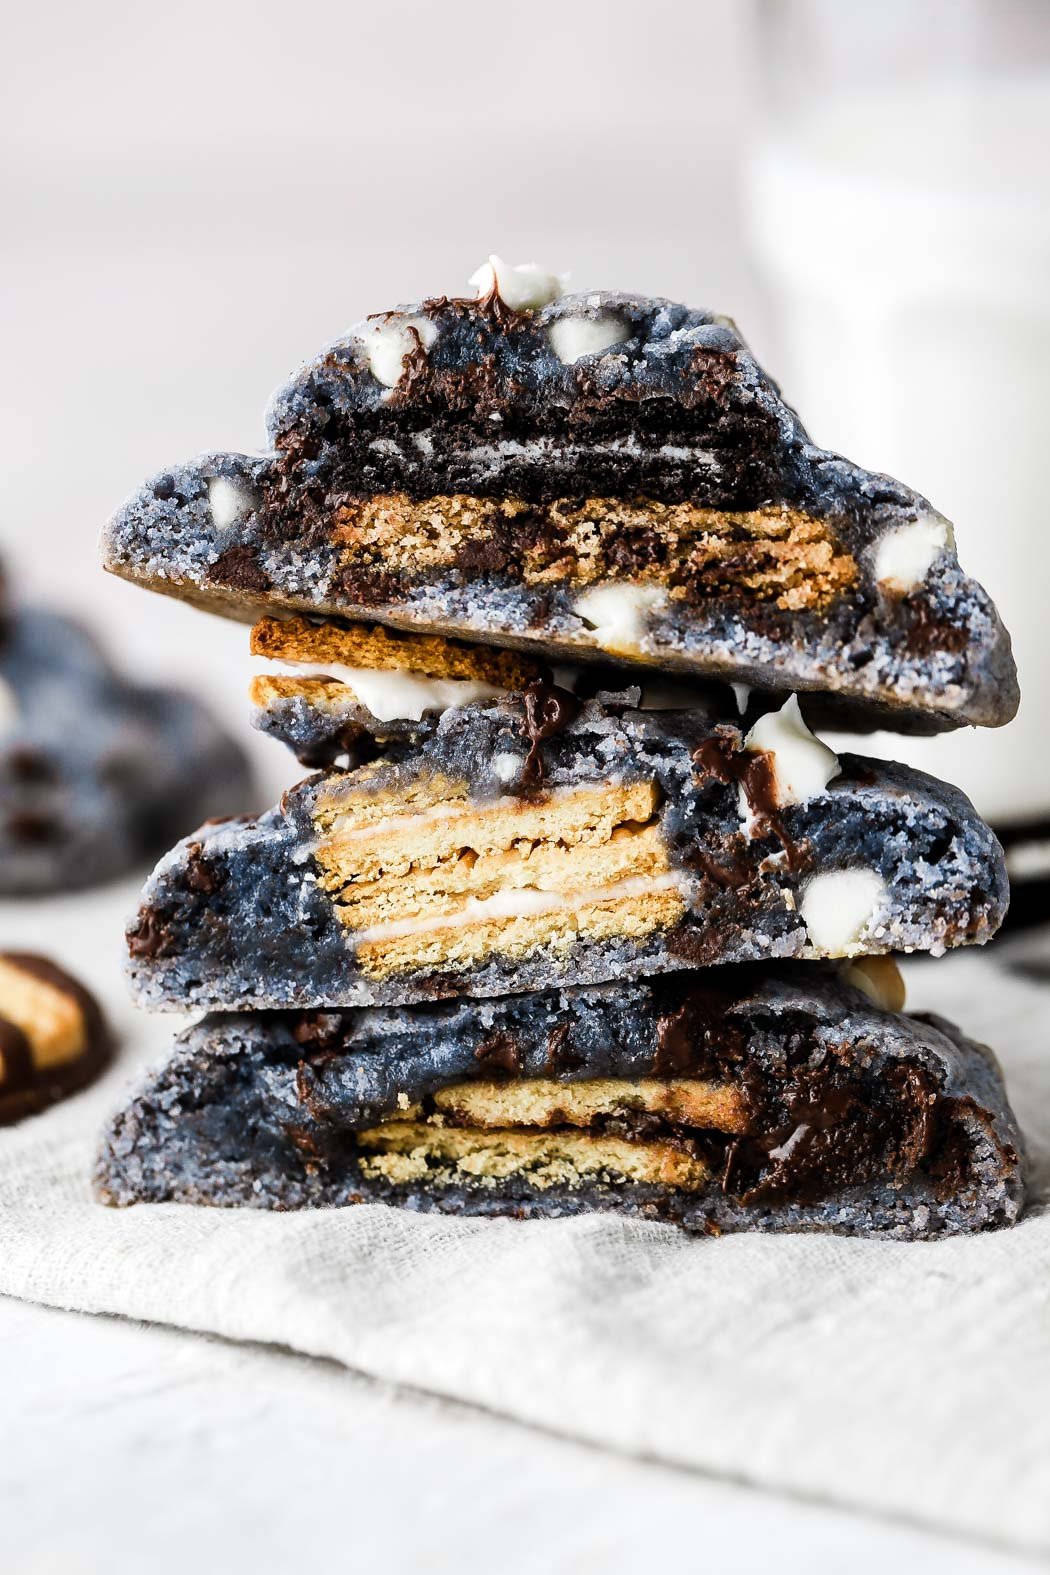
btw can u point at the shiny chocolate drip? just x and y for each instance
(548, 710)
(723, 757)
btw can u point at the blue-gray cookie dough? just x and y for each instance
(858, 1120)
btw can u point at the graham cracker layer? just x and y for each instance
(412, 1151)
(775, 554)
(386, 650)
(543, 1102)
(323, 694)
(429, 879)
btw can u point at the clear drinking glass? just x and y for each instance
(898, 204)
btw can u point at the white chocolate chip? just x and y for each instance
(506, 767)
(802, 765)
(785, 1150)
(838, 907)
(904, 556)
(573, 337)
(227, 502)
(523, 288)
(880, 980)
(616, 614)
(389, 340)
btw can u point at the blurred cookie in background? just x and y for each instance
(53, 1037)
(97, 774)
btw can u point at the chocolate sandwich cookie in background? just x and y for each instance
(600, 476)
(767, 1098)
(540, 838)
(53, 1039)
(97, 774)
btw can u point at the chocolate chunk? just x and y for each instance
(499, 1053)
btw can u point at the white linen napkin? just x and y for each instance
(906, 1379)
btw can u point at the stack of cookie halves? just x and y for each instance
(576, 912)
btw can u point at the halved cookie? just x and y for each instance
(733, 1099)
(540, 839)
(600, 476)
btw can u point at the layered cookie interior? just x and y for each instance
(600, 476)
(729, 1099)
(543, 836)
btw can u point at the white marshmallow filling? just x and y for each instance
(520, 904)
(395, 696)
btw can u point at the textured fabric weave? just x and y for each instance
(904, 1379)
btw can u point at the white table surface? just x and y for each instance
(129, 1448)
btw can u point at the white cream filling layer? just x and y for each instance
(398, 696)
(520, 905)
(490, 458)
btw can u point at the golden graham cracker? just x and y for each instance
(387, 650)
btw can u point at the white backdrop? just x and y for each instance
(193, 199)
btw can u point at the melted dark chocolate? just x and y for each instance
(723, 757)
(548, 710)
(17, 1054)
(500, 1053)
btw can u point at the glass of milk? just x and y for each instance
(898, 204)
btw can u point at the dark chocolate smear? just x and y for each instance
(151, 936)
(548, 710)
(561, 1057)
(723, 757)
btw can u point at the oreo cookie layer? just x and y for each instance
(744, 1098)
